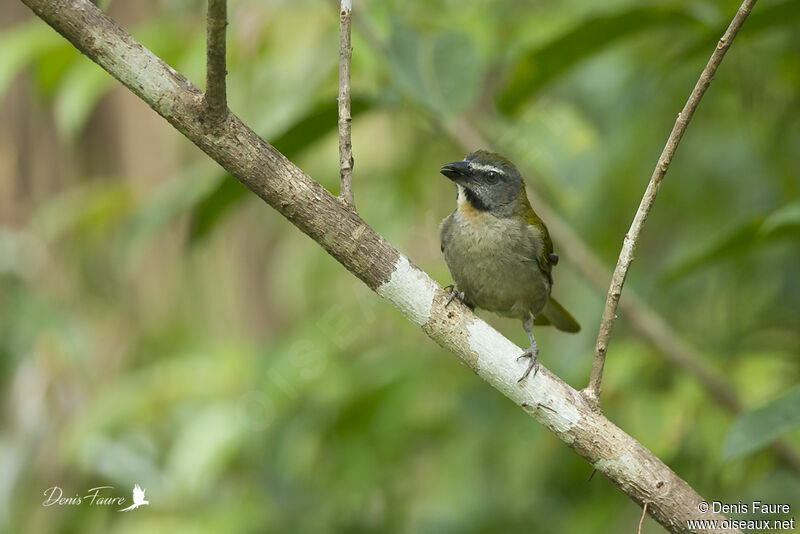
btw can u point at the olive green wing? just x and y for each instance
(444, 230)
(546, 258)
(553, 313)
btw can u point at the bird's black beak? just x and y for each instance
(458, 171)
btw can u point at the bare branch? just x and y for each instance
(345, 119)
(592, 391)
(215, 97)
(340, 231)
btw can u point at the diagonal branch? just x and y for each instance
(345, 119)
(339, 230)
(592, 391)
(215, 97)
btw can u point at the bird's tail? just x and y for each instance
(555, 314)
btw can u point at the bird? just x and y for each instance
(138, 499)
(498, 250)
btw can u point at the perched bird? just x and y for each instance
(498, 250)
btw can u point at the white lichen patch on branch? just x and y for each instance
(497, 356)
(623, 467)
(497, 364)
(411, 290)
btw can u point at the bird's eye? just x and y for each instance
(491, 177)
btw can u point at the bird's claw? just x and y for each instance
(454, 294)
(533, 362)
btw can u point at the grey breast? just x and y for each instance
(493, 261)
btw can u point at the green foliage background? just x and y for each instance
(172, 331)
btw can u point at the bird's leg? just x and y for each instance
(532, 353)
(454, 294)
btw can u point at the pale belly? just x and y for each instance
(494, 265)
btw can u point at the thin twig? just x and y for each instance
(345, 119)
(592, 391)
(215, 98)
(641, 519)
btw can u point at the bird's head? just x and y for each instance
(487, 181)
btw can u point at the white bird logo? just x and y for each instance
(138, 499)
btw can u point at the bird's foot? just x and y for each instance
(454, 294)
(532, 353)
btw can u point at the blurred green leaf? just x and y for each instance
(93, 208)
(21, 45)
(203, 445)
(170, 199)
(212, 207)
(120, 459)
(136, 395)
(52, 64)
(316, 123)
(403, 52)
(772, 15)
(442, 72)
(764, 17)
(545, 62)
(309, 128)
(455, 73)
(741, 240)
(785, 219)
(733, 243)
(20, 252)
(79, 91)
(753, 430)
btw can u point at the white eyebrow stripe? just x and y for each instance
(485, 167)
